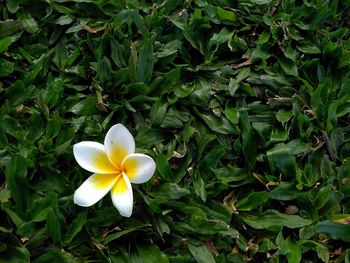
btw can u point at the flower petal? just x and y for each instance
(92, 157)
(94, 188)
(118, 144)
(138, 167)
(122, 197)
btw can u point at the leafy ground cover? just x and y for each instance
(244, 105)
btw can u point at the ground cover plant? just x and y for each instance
(244, 106)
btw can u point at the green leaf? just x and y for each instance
(252, 201)
(199, 186)
(288, 66)
(145, 62)
(6, 67)
(260, 2)
(275, 219)
(104, 69)
(334, 230)
(163, 168)
(16, 178)
(289, 248)
(53, 225)
(219, 125)
(86, 106)
(308, 48)
(151, 253)
(222, 37)
(201, 253)
(121, 233)
(9, 27)
(283, 116)
(16, 254)
(249, 149)
(322, 250)
(232, 115)
(12, 6)
(75, 227)
(54, 255)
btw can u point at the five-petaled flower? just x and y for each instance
(114, 164)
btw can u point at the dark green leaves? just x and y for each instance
(244, 106)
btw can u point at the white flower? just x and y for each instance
(114, 165)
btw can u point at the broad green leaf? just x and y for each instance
(249, 149)
(145, 62)
(75, 227)
(201, 254)
(163, 168)
(6, 67)
(151, 253)
(9, 27)
(53, 225)
(12, 6)
(219, 125)
(252, 201)
(16, 178)
(288, 66)
(54, 254)
(336, 231)
(322, 250)
(275, 219)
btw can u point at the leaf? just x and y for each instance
(219, 125)
(260, 2)
(283, 116)
(288, 66)
(222, 37)
(121, 233)
(252, 201)
(104, 69)
(232, 115)
(145, 62)
(9, 27)
(201, 253)
(6, 67)
(294, 147)
(163, 168)
(170, 191)
(334, 230)
(289, 248)
(322, 250)
(16, 178)
(86, 106)
(249, 149)
(54, 254)
(308, 48)
(199, 186)
(275, 219)
(12, 6)
(75, 227)
(53, 225)
(151, 253)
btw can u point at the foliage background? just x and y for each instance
(243, 104)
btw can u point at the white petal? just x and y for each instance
(92, 157)
(138, 167)
(122, 196)
(94, 188)
(118, 144)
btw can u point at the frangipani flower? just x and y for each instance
(115, 166)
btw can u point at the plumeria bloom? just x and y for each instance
(114, 164)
